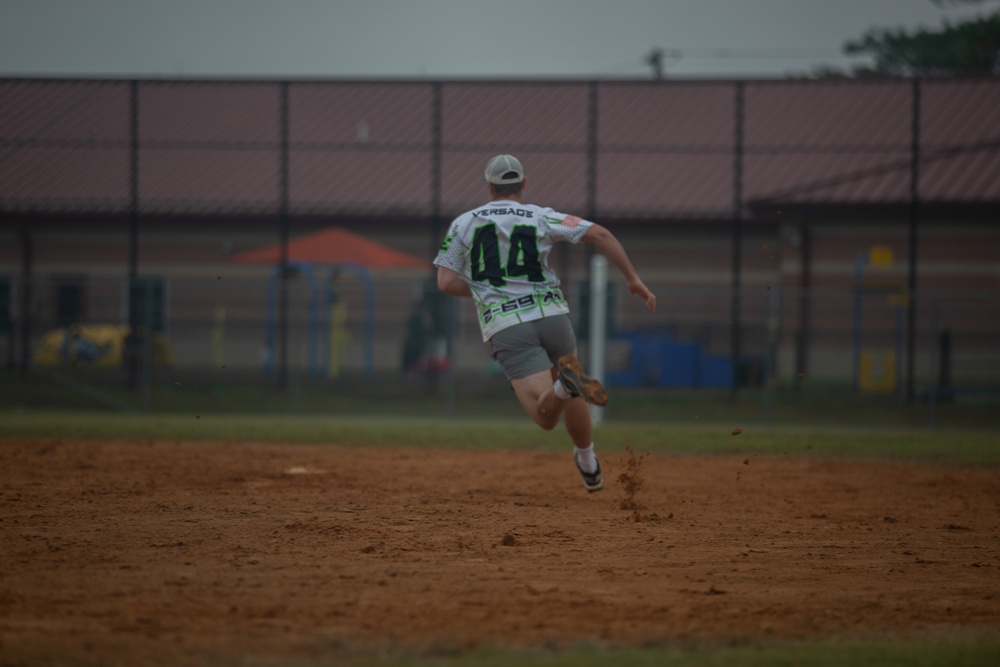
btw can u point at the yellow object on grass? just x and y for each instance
(97, 345)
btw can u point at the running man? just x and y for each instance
(497, 254)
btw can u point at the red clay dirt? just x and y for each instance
(164, 553)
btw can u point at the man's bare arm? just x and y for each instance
(610, 247)
(450, 282)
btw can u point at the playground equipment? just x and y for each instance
(877, 369)
(322, 326)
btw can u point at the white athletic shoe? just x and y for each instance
(592, 481)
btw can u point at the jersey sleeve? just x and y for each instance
(565, 227)
(452, 253)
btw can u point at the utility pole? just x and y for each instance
(655, 60)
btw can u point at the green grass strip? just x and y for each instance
(946, 447)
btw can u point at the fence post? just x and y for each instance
(593, 99)
(283, 234)
(27, 283)
(805, 303)
(737, 233)
(131, 343)
(911, 311)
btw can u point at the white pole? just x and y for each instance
(598, 321)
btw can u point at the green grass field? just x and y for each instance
(389, 395)
(939, 446)
(819, 424)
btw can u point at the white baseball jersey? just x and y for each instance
(502, 250)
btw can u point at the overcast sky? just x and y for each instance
(444, 38)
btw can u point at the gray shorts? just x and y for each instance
(529, 347)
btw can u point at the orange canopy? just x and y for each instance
(334, 245)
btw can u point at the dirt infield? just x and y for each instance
(141, 553)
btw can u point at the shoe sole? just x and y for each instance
(587, 387)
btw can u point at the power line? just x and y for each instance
(660, 60)
(777, 54)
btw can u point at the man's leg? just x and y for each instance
(576, 417)
(538, 399)
(541, 402)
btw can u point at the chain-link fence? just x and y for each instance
(339, 339)
(123, 202)
(611, 149)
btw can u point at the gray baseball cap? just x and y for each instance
(504, 169)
